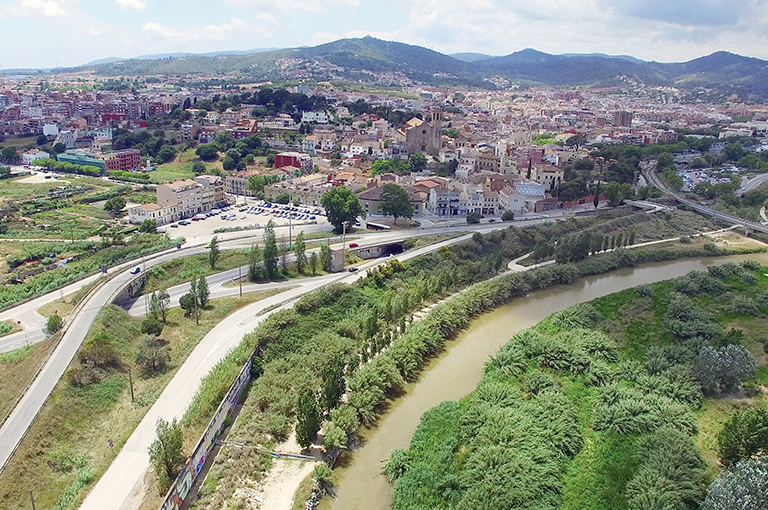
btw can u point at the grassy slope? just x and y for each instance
(181, 166)
(78, 421)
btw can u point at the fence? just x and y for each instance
(186, 479)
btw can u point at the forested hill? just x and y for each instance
(393, 63)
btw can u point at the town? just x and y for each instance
(226, 289)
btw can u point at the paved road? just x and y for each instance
(750, 184)
(15, 427)
(650, 174)
(132, 461)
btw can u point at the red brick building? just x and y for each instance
(127, 160)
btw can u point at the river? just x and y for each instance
(457, 370)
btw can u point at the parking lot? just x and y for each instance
(256, 215)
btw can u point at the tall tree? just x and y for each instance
(308, 419)
(203, 293)
(213, 253)
(596, 201)
(313, 262)
(195, 300)
(325, 257)
(342, 207)
(148, 226)
(333, 382)
(300, 250)
(165, 452)
(271, 251)
(284, 250)
(254, 257)
(154, 354)
(395, 202)
(163, 302)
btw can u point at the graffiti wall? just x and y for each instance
(186, 479)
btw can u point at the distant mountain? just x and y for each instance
(470, 57)
(394, 63)
(622, 57)
(108, 60)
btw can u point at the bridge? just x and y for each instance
(749, 226)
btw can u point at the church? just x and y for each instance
(422, 135)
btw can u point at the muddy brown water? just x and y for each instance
(457, 370)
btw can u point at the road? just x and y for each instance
(132, 461)
(750, 184)
(650, 174)
(15, 426)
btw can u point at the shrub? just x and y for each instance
(723, 369)
(54, 324)
(743, 435)
(151, 325)
(745, 486)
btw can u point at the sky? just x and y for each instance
(62, 33)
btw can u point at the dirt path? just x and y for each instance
(276, 490)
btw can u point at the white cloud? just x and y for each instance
(133, 5)
(295, 5)
(223, 31)
(44, 8)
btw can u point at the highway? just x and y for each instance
(650, 174)
(132, 461)
(15, 426)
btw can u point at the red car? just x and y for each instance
(195, 219)
(353, 245)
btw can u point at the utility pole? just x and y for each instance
(33, 500)
(290, 234)
(130, 381)
(240, 279)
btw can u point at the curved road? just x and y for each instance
(131, 463)
(653, 177)
(19, 420)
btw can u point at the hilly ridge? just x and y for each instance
(367, 59)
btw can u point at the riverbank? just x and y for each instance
(455, 371)
(614, 386)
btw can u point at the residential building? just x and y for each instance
(622, 119)
(237, 184)
(314, 117)
(487, 161)
(213, 193)
(244, 128)
(162, 214)
(550, 176)
(185, 194)
(127, 160)
(296, 159)
(371, 199)
(445, 200)
(33, 154)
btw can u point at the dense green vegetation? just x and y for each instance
(94, 255)
(366, 325)
(596, 407)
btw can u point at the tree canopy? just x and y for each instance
(342, 207)
(395, 202)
